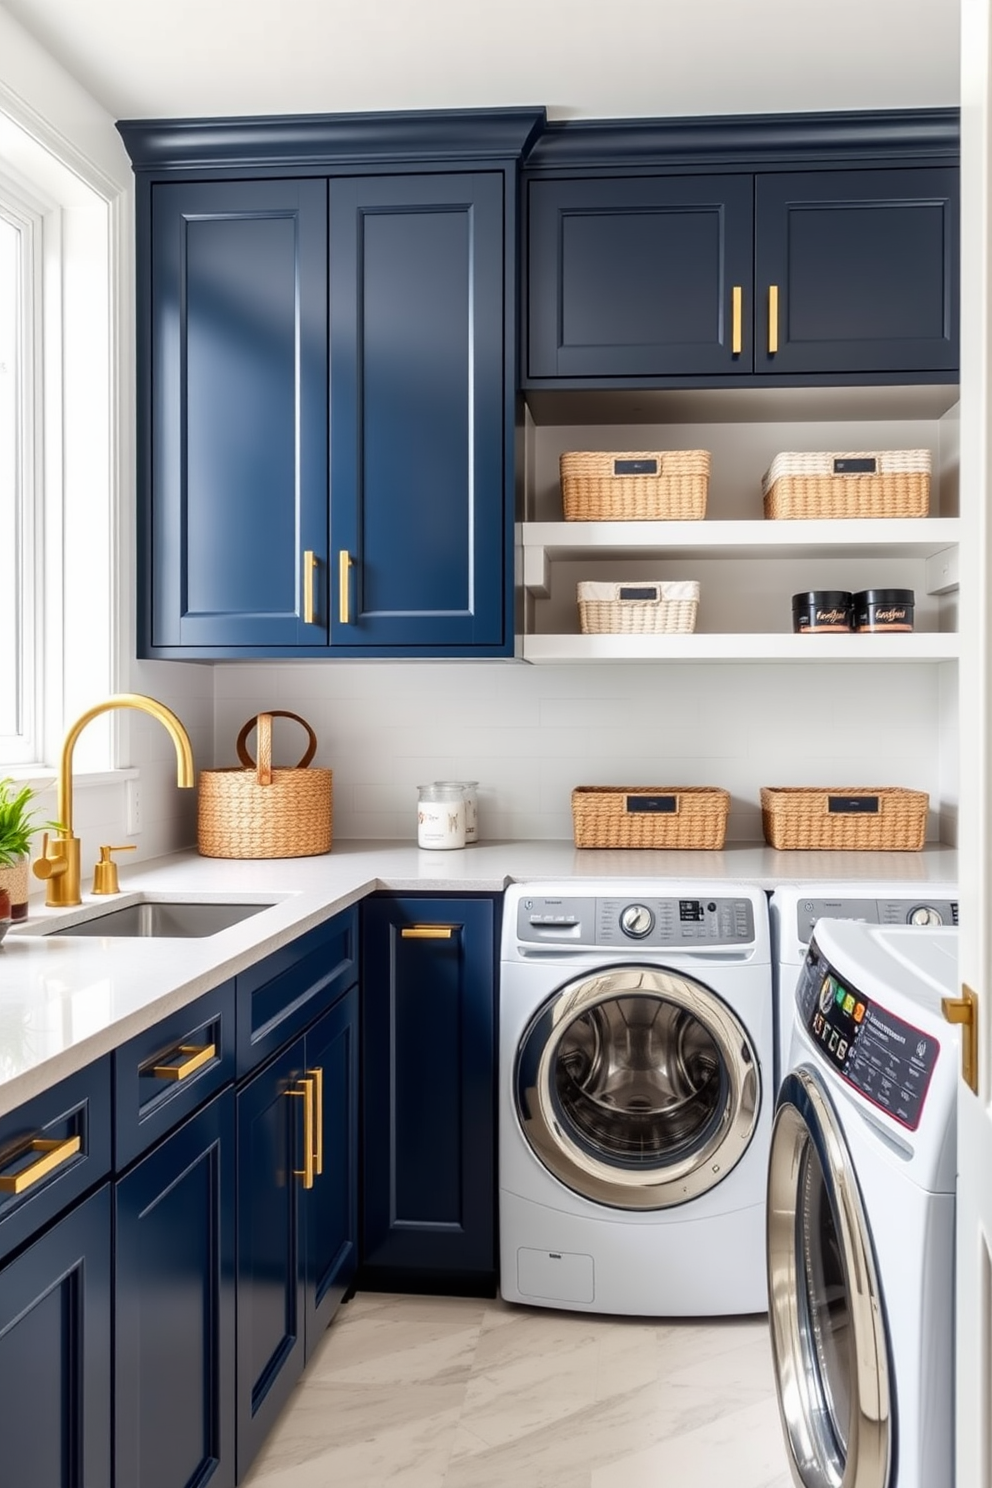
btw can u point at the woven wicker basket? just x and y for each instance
(683, 816)
(259, 811)
(635, 486)
(648, 608)
(846, 818)
(867, 483)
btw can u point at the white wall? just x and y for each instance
(528, 734)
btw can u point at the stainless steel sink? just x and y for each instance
(163, 919)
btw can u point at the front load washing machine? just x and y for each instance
(635, 1066)
(795, 908)
(861, 1211)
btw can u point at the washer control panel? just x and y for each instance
(886, 1059)
(645, 922)
(919, 911)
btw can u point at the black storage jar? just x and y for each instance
(821, 610)
(884, 609)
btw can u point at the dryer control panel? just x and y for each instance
(918, 911)
(647, 922)
(886, 1059)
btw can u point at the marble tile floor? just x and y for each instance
(451, 1392)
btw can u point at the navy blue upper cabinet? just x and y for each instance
(238, 411)
(326, 351)
(865, 267)
(796, 248)
(637, 277)
(417, 411)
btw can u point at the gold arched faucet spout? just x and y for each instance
(59, 863)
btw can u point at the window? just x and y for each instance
(21, 496)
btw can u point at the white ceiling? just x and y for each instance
(580, 58)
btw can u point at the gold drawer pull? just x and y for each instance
(427, 932)
(736, 313)
(345, 562)
(54, 1153)
(772, 319)
(307, 1094)
(196, 1058)
(309, 564)
(317, 1076)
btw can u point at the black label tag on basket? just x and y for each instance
(852, 805)
(868, 466)
(629, 592)
(662, 805)
(635, 467)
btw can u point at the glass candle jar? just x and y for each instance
(470, 794)
(440, 816)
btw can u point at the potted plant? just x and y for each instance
(18, 824)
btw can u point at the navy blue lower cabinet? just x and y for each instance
(297, 1211)
(175, 1319)
(331, 1237)
(55, 1354)
(428, 1082)
(270, 1282)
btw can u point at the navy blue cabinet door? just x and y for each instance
(332, 1204)
(865, 266)
(174, 1319)
(238, 418)
(269, 1269)
(420, 512)
(636, 277)
(55, 1355)
(428, 1090)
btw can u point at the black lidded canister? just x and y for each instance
(884, 609)
(822, 610)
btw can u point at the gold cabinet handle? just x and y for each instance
(964, 1010)
(344, 563)
(309, 567)
(427, 932)
(53, 1155)
(317, 1076)
(306, 1094)
(197, 1055)
(737, 319)
(772, 319)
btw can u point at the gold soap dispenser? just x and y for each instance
(105, 872)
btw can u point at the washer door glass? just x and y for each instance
(827, 1320)
(637, 1088)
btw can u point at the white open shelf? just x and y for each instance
(915, 647)
(930, 538)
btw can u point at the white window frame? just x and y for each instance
(33, 650)
(81, 629)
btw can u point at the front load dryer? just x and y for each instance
(861, 1199)
(795, 908)
(635, 1067)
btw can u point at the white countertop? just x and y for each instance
(64, 1001)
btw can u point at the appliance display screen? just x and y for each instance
(886, 1059)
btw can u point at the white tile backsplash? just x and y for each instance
(529, 734)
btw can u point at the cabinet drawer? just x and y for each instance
(165, 1073)
(282, 994)
(52, 1149)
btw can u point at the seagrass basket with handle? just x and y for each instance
(257, 810)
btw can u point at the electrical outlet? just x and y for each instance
(133, 807)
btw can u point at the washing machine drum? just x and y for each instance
(637, 1088)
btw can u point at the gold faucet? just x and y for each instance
(59, 862)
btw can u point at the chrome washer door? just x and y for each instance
(637, 1088)
(825, 1304)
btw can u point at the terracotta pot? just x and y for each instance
(15, 880)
